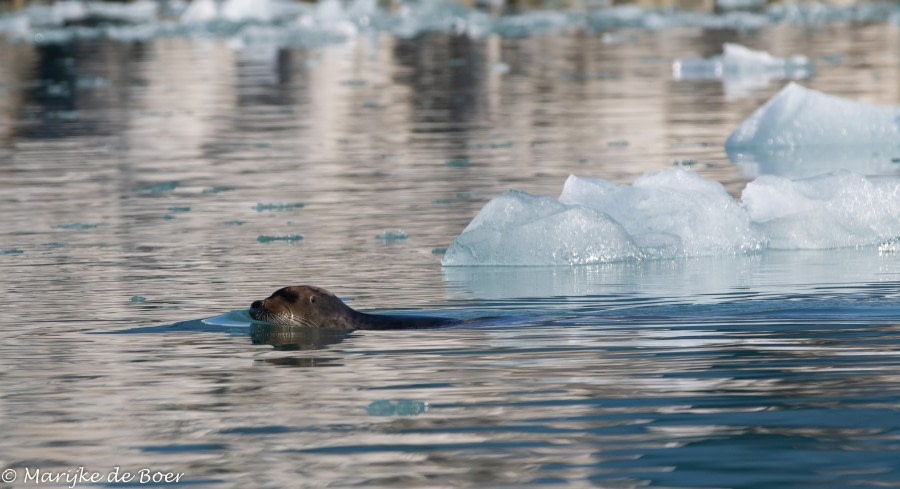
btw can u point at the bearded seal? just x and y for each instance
(315, 307)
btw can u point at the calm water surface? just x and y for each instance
(147, 186)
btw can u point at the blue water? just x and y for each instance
(149, 191)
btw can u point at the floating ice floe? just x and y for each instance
(802, 132)
(677, 213)
(742, 69)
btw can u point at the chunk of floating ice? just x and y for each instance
(677, 213)
(200, 11)
(75, 226)
(280, 206)
(738, 62)
(268, 239)
(216, 190)
(400, 408)
(840, 209)
(802, 132)
(155, 188)
(740, 4)
(395, 235)
(889, 246)
(457, 162)
(798, 117)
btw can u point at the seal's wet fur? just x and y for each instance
(315, 307)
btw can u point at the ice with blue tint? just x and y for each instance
(840, 209)
(517, 228)
(670, 213)
(677, 213)
(802, 132)
(798, 117)
(742, 69)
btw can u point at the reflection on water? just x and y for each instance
(150, 170)
(697, 280)
(806, 162)
(296, 337)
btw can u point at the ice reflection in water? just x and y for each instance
(760, 371)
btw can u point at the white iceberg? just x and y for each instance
(801, 132)
(800, 117)
(676, 213)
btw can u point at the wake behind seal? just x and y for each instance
(315, 307)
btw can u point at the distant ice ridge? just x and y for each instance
(742, 68)
(677, 213)
(286, 22)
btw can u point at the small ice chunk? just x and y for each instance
(200, 11)
(739, 62)
(278, 206)
(289, 238)
(800, 117)
(890, 246)
(457, 162)
(239, 10)
(400, 408)
(75, 226)
(500, 68)
(740, 4)
(155, 188)
(395, 235)
(835, 210)
(217, 190)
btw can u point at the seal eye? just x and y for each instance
(312, 298)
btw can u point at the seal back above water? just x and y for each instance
(315, 307)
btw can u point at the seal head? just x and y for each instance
(315, 307)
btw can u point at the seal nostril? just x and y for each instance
(256, 305)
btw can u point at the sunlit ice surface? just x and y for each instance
(152, 190)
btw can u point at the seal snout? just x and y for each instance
(256, 305)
